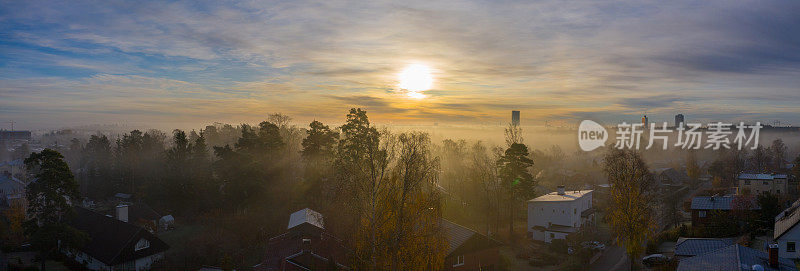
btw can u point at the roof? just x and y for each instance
(112, 241)
(306, 216)
(141, 210)
(463, 239)
(786, 220)
(723, 203)
(303, 246)
(761, 176)
(733, 257)
(699, 246)
(568, 196)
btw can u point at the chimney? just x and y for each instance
(773, 255)
(122, 212)
(561, 190)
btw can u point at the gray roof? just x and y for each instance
(723, 202)
(306, 216)
(699, 246)
(761, 176)
(786, 220)
(733, 257)
(458, 235)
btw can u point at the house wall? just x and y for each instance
(146, 262)
(565, 213)
(487, 259)
(756, 186)
(792, 235)
(549, 236)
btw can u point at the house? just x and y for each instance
(756, 184)
(15, 167)
(736, 258)
(305, 246)
(671, 177)
(557, 214)
(140, 214)
(786, 233)
(114, 244)
(703, 207)
(468, 249)
(12, 190)
(690, 247)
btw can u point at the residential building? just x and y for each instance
(736, 258)
(305, 246)
(759, 183)
(12, 190)
(114, 244)
(690, 247)
(671, 177)
(468, 249)
(704, 207)
(139, 214)
(786, 233)
(557, 214)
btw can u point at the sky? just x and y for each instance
(191, 63)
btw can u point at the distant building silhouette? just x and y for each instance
(515, 117)
(678, 120)
(14, 135)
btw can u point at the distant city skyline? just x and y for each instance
(189, 64)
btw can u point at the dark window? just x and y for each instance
(790, 247)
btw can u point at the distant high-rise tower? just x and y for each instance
(678, 120)
(644, 121)
(515, 117)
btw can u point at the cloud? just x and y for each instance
(551, 59)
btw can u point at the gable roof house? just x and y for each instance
(468, 249)
(736, 258)
(671, 177)
(305, 246)
(703, 207)
(12, 190)
(114, 244)
(787, 233)
(690, 247)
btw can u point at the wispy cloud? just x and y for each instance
(189, 61)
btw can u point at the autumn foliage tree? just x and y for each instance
(630, 212)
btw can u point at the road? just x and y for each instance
(613, 259)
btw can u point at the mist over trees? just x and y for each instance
(384, 192)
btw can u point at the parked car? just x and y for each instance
(654, 260)
(593, 245)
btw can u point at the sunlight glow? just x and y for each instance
(416, 78)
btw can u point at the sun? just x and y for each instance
(416, 78)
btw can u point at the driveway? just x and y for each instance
(613, 259)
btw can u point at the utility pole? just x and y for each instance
(12, 124)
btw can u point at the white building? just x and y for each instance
(557, 214)
(787, 233)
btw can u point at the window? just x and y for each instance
(746, 182)
(790, 247)
(459, 261)
(552, 236)
(766, 183)
(701, 214)
(574, 210)
(778, 191)
(142, 244)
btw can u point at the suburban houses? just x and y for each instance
(114, 244)
(756, 184)
(558, 214)
(787, 234)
